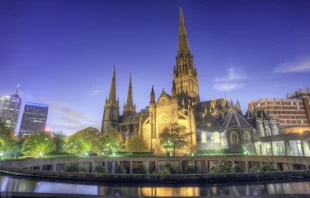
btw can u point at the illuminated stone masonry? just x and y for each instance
(217, 125)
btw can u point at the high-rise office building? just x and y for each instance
(34, 118)
(9, 110)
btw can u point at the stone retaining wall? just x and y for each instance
(158, 178)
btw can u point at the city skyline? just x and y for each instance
(244, 53)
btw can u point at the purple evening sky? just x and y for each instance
(62, 52)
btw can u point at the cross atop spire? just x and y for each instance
(183, 47)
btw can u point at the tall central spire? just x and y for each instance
(185, 75)
(112, 95)
(183, 47)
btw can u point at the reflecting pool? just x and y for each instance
(20, 184)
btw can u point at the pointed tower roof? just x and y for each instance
(183, 42)
(129, 96)
(112, 95)
(152, 92)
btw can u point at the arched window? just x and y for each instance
(275, 130)
(268, 132)
(247, 137)
(203, 137)
(234, 139)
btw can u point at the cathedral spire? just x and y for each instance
(183, 47)
(129, 96)
(129, 108)
(112, 95)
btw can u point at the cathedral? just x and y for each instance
(215, 124)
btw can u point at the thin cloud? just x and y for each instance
(227, 86)
(234, 80)
(234, 74)
(299, 64)
(95, 92)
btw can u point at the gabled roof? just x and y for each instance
(249, 114)
(235, 120)
(261, 114)
(209, 118)
(129, 118)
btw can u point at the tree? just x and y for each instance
(78, 145)
(136, 144)
(8, 141)
(106, 143)
(175, 136)
(38, 143)
(59, 140)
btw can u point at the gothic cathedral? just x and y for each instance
(214, 123)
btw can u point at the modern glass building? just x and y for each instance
(34, 118)
(9, 110)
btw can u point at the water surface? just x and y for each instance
(20, 184)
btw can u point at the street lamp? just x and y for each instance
(1, 154)
(40, 154)
(302, 144)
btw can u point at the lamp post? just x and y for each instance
(301, 144)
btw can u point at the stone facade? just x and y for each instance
(183, 106)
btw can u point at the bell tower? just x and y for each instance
(111, 109)
(185, 76)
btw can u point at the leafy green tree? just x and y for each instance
(8, 141)
(59, 140)
(175, 136)
(39, 142)
(136, 144)
(107, 143)
(78, 145)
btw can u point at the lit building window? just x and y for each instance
(203, 137)
(234, 138)
(247, 137)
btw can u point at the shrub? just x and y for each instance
(141, 169)
(101, 169)
(268, 167)
(236, 169)
(120, 169)
(215, 169)
(161, 171)
(83, 169)
(189, 169)
(254, 169)
(170, 167)
(73, 167)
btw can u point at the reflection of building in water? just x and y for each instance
(169, 191)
